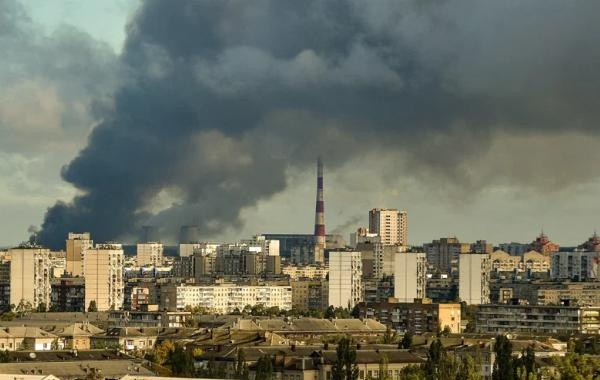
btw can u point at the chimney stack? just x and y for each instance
(320, 209)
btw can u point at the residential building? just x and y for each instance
(527, 319)
(189, 249)
(77, 244)
(362, 235)
(418, 317)
(570, 294)
(30, 274)
(378, 259)
(575, 265)
(287, 242)
(482, 246)
(443, 254)
(68, 294)
(104, 284)
(591, 245)
(410, 276)
(474, 278)
(529, 264)
(305, 271)
(514, 249)
(544, 245)
(345, 278)
(390, 224)
(150, 254)
(309, 294)
(225, 298)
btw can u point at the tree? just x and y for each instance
(181, 362)
(264, 368)
(446, 331)
(389, 336)
(468, 370)
(161, 352)
(503, 366)
(241, 368)
(439, 365)
(407, 339)
(383, 368)
(92, 307)
(412, 372)
(23, 308)
(330, 312)
(345, 367)
(525, 365)
(355, 313)
(41, 308)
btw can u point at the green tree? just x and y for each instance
(264, 369)
(241, 368)
(23, 308)
(525, 365)
(383, 368)
(181, 362)
(439, 365)
(503, 366)
(345, 367)
(407, 339)
(412, 372)
(389, 336)
(468, 370)
(41, 308)
(446, 331)
(92, 307)
(330, 312)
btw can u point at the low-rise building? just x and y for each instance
(418, 317)
(305, 271)
(225, 298)
(527, 319)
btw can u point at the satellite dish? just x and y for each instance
(32, 355)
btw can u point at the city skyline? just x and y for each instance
(516, 165)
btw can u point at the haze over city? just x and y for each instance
(479, 119)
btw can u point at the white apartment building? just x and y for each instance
(104, 283)
(305, 271)
(188, 249)
(150, 254)
(267, 247)
(345, 278)
(390, 224)
(226, 298)
(576, 265)
(410, 276)
(30, 272)
(77, 244)
(474, 278)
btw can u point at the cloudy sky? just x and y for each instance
(479, 119)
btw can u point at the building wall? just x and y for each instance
(443, 254)
(225, 298)
(390, 224)
(576, 265)
(76, 245)
(150, 254)
(410, 276)
(30, 276)
(104, 284)
(345, 278)
(474, 278)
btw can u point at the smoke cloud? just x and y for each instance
(219, 98)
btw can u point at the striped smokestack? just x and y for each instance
(320, 208)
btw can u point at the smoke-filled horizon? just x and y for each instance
(217, 100)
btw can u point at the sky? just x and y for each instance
(479, 119)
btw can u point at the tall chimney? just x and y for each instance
(320, 208)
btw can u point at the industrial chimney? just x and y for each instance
(319, 213)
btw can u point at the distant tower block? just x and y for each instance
(188, 234)
(320, 208)
(150, 234)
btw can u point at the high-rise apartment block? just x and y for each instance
(149, 254)
(410, 276)
(77, 244)
(575, 265)
(474, 278)
(345, 278)
(104, 284)
(443, 254)
(390, 224)
(30, 276)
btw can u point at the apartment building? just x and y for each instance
(390, 224)
(410, 276)
(530, 263)
(305, 271)
(30, 274)
(418, 317)
(378, 259)
(575, 265)
(68, 294)
(76, 245)
(572, 294)
(345, 278)
(443, 254)
(150, 254)
(309, 294)
(474, 278)
(103, 266)
(225, 298)
(526, 319)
